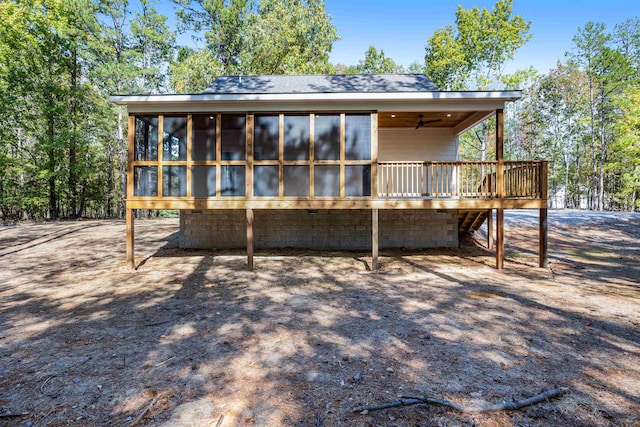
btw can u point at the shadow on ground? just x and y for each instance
(192, 338)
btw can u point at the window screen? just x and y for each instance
(233, 137)
(203, 181)
(357, 137)
(146, 138)
(296, 137)
(266, 137)
(327, 137)
(145, 181)
(232, 181)
(174, 181)
(296, 181)
(204, 137)
(175, 138)
(265, 180)
(326, 180)
(357, 180)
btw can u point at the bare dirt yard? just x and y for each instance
(191, 338)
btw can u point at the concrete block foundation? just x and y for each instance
(320, 230)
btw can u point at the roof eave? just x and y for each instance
(504, 96)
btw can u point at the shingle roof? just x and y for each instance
(338, 83)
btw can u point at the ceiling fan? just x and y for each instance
(421, 122)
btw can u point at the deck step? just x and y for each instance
(471, 220)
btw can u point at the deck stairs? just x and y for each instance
(471, 220)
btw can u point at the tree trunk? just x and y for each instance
(634, 197)
(73, 140)
(594, 159)
(53, 199)
(603, 153)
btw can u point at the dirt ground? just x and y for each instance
(193, 339)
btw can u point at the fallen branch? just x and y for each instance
(505, 406)
(142, 414)
(13, 414)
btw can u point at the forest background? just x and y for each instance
(63, 147)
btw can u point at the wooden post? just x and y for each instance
(490, 229)
(500, 188)
(249, 156)
(543, 255)
(250, 238)
(131, 260)
(499, 239)
(374, 239)
(374, 155)
(543, 258)
(500, 153)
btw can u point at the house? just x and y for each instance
(324, 161)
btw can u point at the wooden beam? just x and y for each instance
(218, 154)
(342, 153)
(374, 155)
(160, 152)
(543, 261)
(500, 239)
(130, 157)
(189, 153)
(249, 156)
(312, 154)
(490, 229)
(131, 260)
(500, 152)
(471, 121)
(250, 238)
(346, 203)
(374, 239)
(281, 154)
(500, 188)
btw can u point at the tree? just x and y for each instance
(376, 62)
(474, 52)
(626, 150)
(608, 72)
(153, 44)
(128, 57)
(553, 122)
(273, 37)
(472, 55)
(193, 71)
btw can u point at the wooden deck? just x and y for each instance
(404, 185)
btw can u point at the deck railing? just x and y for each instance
(460, 179)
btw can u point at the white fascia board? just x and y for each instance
(412, 101)
(292, 97)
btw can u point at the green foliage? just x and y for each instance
(272, 37)
(473, 53)
(376, 62)
(194, 71)
(59, 154)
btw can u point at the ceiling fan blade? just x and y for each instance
(419, 124)
(431, 121)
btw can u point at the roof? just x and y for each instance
(344, 92)
(338, 83)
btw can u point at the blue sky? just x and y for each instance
(402, 27)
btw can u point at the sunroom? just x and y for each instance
(353, 162)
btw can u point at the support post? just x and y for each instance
(131, 260)
(374, 239)
(490, 229)
(500, 188)
(250, 238)
(499, 239)
(543, 257)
